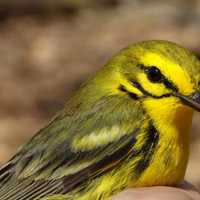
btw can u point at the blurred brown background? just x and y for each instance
(47, 48)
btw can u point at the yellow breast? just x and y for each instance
(173, 123)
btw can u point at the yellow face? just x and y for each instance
(159, 70)
(164, 78)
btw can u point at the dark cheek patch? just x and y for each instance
(130, 94)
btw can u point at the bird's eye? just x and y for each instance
(154, 74)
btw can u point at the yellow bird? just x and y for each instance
(128, 126)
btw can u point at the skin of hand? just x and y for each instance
(186, 191)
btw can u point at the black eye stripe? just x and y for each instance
(155, 76)
(170, 85)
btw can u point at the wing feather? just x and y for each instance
(47, 164)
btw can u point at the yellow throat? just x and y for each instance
(173, 123)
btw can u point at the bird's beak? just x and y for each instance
(192, 100)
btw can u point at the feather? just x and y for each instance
(48, 164)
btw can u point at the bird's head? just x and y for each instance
(161, 75)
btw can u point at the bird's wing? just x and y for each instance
(68, 153)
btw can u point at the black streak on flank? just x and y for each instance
(147, 149)
(130, 94)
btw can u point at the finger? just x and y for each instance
(190, 189)
(155, 193)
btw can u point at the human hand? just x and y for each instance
(185, 192)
